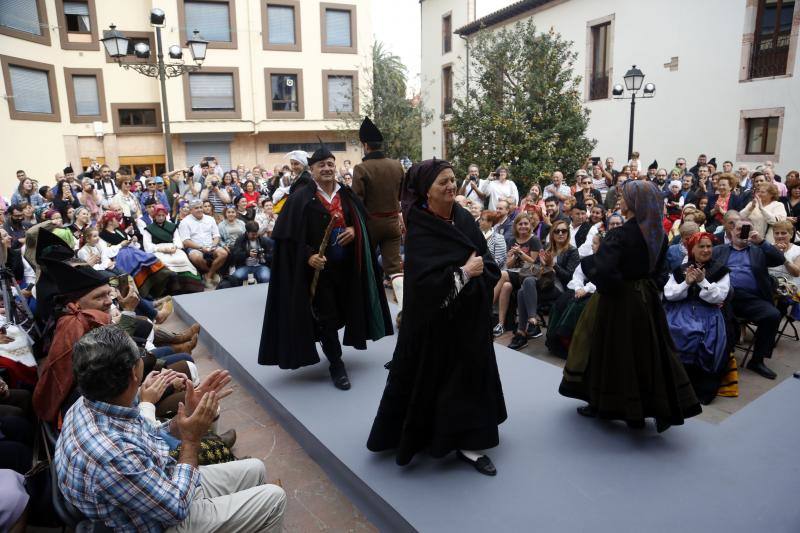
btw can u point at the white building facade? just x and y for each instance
(725, 73)
(278, 74)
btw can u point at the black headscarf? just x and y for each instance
(418, 180)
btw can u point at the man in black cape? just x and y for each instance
(348, 293)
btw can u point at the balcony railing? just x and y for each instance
(769, 57)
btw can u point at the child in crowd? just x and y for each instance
(673, 204)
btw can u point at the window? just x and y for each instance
(760, 132)
(77, 24)
(134, 38)
(599, 78)
(197, 150)
(447, 33)
(310, 147)
(340, 92)
(85, 94)
(284, 93)
(447, 90)
(139, 117)
(448, 138)
(214, 19)
(137, 164)
(762, 135)
(280, 21)
(24, 19)
(338, 28)
(772, 37)
(30, 89)
(212, 93)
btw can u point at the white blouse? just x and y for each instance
(713, 293)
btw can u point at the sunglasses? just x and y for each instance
(561, 231)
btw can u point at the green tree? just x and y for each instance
(384, 99)
(523, 106)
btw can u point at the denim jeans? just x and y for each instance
(261, 273)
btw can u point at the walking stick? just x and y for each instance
(323, 245)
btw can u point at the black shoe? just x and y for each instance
(662, 425)
(339, 376)
(483, 465)
(518, 342)
(533, 331)
(635, 424)
(758, 366)
(587, 411)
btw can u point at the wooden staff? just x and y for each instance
(323, 245)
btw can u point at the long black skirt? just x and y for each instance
(623, 362)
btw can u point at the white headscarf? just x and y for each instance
(300, 156)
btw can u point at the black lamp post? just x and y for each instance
(116, 45)
(634, 79)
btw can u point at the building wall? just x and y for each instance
(698, 105)
(43, 148)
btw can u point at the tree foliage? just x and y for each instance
(523, 106)
(385, 100)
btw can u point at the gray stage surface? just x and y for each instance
(558, 471)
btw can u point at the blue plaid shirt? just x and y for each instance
(113, 467)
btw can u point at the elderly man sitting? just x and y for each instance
(113, 466)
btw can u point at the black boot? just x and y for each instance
(757, 365)
(587, 411)
(339, 375)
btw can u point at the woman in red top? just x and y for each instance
(251, 194)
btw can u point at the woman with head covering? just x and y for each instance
(622, 359)
(161, 239)
(443, 393)
(694, 292)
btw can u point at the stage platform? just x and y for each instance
(557, 471)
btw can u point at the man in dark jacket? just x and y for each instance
(748, 260)
(377, 182)
(252, 254)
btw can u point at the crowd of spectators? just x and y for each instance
(98, 254)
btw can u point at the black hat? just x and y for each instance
(369, 132)
(50, 247)
(150, 201)
(68, 170)
(71, 278)
(653, 165)
(712, 161)
(321, 154)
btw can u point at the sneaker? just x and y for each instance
(518, 342)
(498, 330)
(533, 331)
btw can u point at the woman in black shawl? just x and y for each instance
(443, 392)
(622, 360)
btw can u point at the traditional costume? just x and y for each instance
(377, 182)
(443, 392)
(157, 238)
(349, 291)
(622, 359)
(697, 323)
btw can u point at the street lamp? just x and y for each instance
(634, 79)
(116, 45)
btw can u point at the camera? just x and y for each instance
(214, 183)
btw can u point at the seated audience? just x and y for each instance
(230, 228)
(201, 239)
(748, 256)
(161, 238)
(764, 210)
(495, 242)
(676, 253)
(251, 255)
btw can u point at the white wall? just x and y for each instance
(697, 107)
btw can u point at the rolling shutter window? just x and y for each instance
(211, 19)
(340, 94)
(211, 92)
(195, 151)
(20, 15)
(87, 100)
(281, 24)
(337, 28)
(31, 90)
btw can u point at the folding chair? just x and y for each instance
(742, 343)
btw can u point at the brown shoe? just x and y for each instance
(228, 438)
(164, 337)
(185, 347)
(164, 313)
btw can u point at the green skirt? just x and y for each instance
(622, 359)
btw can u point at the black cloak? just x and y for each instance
(443, 392)
(289, 334)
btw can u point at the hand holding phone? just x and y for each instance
(744, 232)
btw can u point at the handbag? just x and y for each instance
(544, 276)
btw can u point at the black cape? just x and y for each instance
(289, 335)
(443, 391)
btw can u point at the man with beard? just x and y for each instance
(314, 292)
(376, 181)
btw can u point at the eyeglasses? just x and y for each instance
(561, 231)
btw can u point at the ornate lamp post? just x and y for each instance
(634, 79)
(116, 45)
